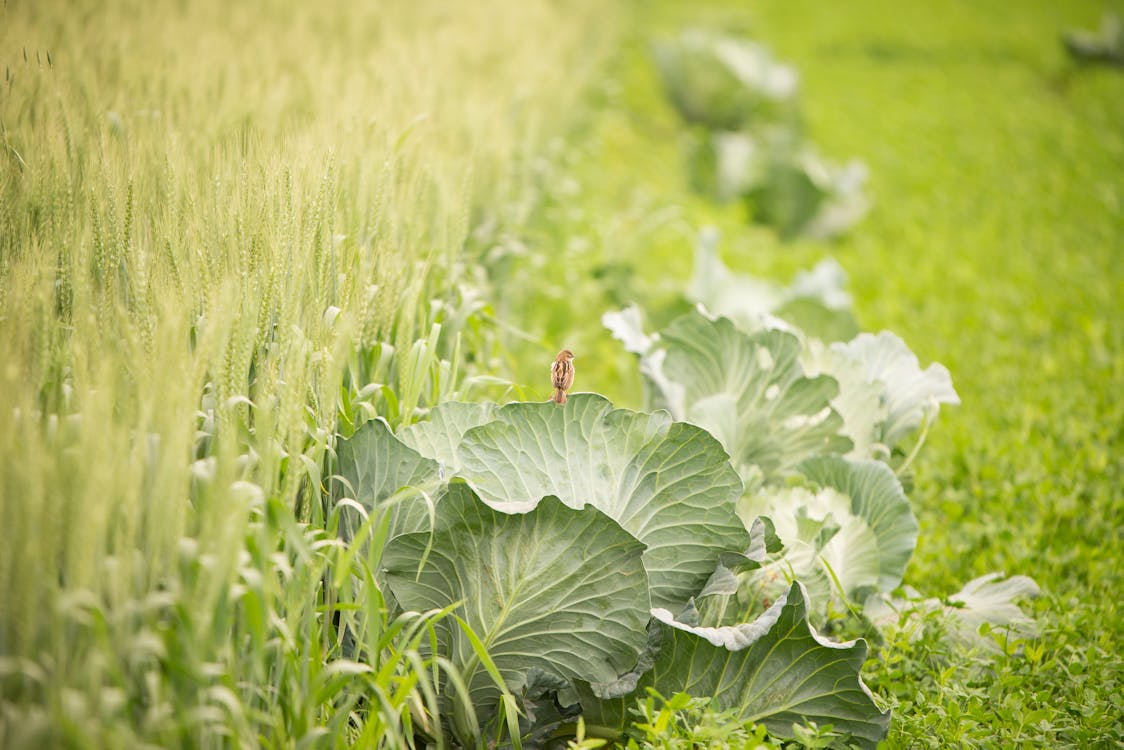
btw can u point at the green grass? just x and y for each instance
(997, 173)
(995, 250)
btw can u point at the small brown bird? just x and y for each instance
(562, 375)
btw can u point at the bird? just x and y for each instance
(562, 375)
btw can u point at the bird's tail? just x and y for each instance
(559, 396)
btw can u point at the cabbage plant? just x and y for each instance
(749, 389)
(724, 82)
(818, 431)
(570, 544)
(745, 138)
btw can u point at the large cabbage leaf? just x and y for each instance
(668, 483)
(859, 402)
(553, 590)
(774, 670)
(374, 467)
(438, 436)
(853, 529)
(882, 363)
(748, 389)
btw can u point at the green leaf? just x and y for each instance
(787, 199)
(751, 303)
(669, 484)
(763, 539)
(988, 599)
(1105, 45)
(907, 394)
(724, 82)
(816, 320)
(438, 436)
(750, 392)
(775, 671)
(855, 529)
(554, 589)
(805, 195)
(876, 497)
(374, 466)
(859, 401)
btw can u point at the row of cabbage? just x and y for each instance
(746, 140)
(698, 545)
(712, 543)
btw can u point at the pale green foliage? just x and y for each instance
(373, 468)
(668, 483)
(1105, 45)
(851, 531)
(553, 589)
(565, 529)
(441, 432)
(748, 389)
(754, 303)
(801, 419)
(883, 388)
(984, 604)
(769, 392)
(725, 82)
(776, 671)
